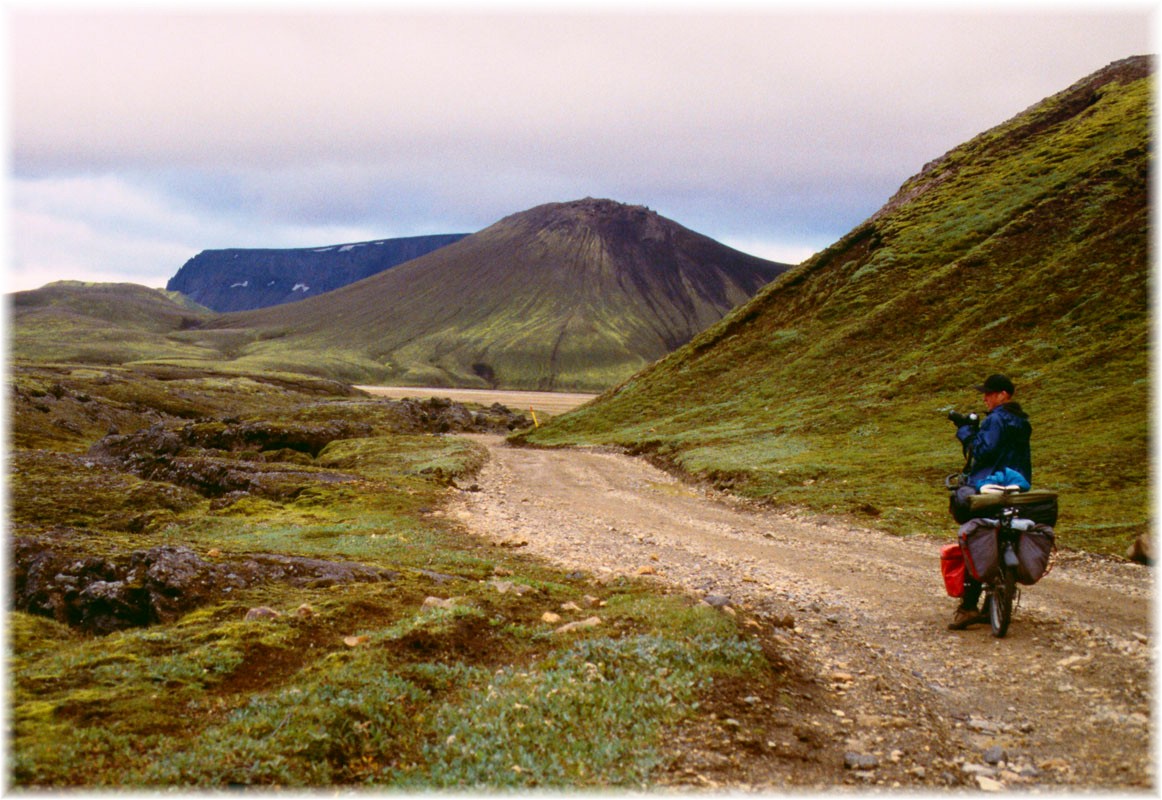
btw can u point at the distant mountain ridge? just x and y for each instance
(575, 295)
(566, 296)
(241, 279)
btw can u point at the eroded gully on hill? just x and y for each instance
(1064, 700)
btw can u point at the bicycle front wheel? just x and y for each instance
(1001, 603)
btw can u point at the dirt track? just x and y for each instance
(1066, 696)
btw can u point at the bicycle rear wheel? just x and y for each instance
(1000, 603)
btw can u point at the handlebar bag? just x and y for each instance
(1034, 549)
(978, 540)
(1039, 505)
(952, 568)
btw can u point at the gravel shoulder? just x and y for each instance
(1065, 700)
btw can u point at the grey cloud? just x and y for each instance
(277, 89)
(747, 123)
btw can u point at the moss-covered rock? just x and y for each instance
(51, 578)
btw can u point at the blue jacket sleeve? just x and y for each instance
(965, 432)
(986, 442)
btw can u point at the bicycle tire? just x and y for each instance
(1001, 602)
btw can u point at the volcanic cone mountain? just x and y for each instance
(576, 295)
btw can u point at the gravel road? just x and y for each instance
(1065, 700)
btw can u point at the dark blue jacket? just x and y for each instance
(1002, 441)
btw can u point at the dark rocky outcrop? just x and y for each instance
(217, 459)
(53, 574)
(100, 595)
(235, 437)
(239, 279)
(441, 415)
(224, 459)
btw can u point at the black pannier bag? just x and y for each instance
(978, 540)
(1034, 549)
(1039, 505)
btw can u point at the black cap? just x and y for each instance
(997, 383)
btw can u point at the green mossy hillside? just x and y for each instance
(1024, 251)
(106, 323)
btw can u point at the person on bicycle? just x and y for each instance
(998, 451)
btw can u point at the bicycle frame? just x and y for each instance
(1001, 593)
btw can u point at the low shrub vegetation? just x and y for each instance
(432, 677)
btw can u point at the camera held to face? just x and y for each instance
(960, 420)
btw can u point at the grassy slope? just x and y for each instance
(1023, 251)
(106, 323)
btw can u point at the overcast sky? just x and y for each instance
(138, 138)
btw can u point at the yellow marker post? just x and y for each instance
(535, 423)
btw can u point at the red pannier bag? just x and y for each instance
(952, 568)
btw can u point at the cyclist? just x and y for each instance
(999, 453)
